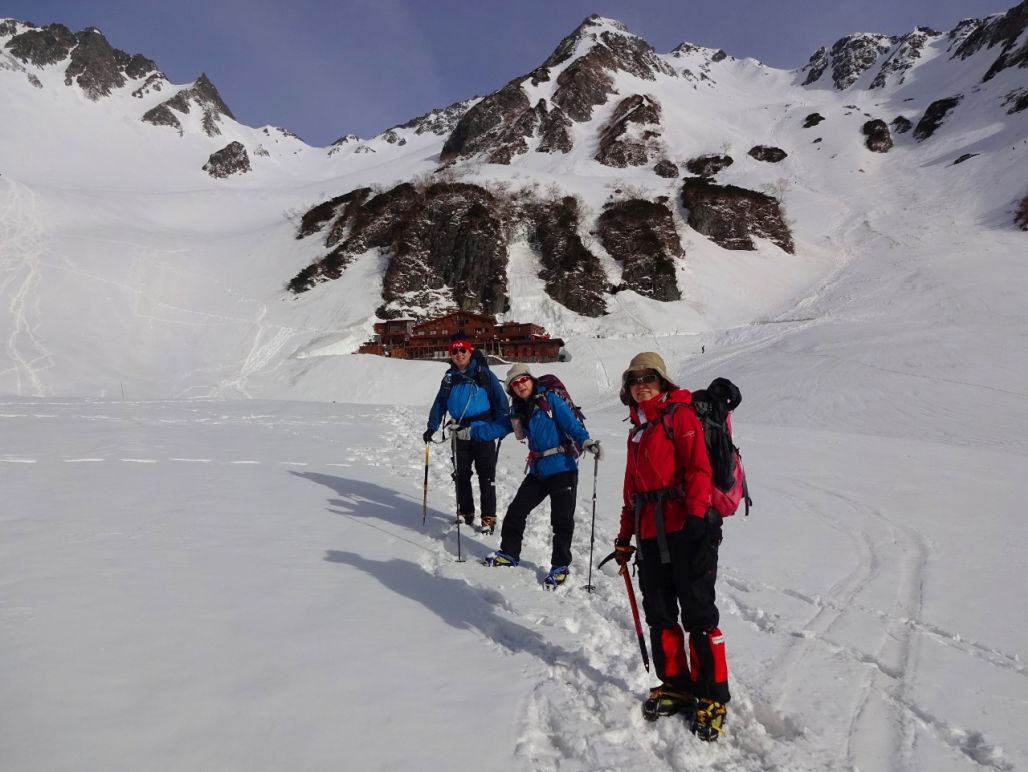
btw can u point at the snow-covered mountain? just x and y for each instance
(606, 125)
(841, 240)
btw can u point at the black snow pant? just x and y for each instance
(685, 586)
(483, 455)
(563, 492)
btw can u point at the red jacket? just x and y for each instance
(656, 462)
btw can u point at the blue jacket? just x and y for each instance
(461, 396)
(544, 430)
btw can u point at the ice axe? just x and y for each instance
(635, 608)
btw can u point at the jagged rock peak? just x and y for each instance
(439, 121)
(579, 75)
(610, 42)
(1003, 30)
(905, 55)
(203, 95)
(585, 35)
(849, 58)
(93, 64)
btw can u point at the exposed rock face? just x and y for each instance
(446, 242)
(849, 58)
(231, 159)
(708, 165)
(584, 84)
(500, 126)
(934, 116)
(93, 64)
(573, 274)
(641, 235)
(1003, 31)
(816, 66)
(1021, 215)
(903, 58)
(43, 46)
(1017, 99)
(771, 155)
(812, 120)
(901, 125)
(497, 127)
(554, 129)
(877, 136)
(203, 95)
(315, 219)
(964, 157)
(631, 136)
(665, 168)
(730, 216)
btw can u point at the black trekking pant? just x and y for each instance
(481, 453)
(685, 588)
(563, 491)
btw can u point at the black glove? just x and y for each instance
(695, 530)
(427, 436)
(705, 547)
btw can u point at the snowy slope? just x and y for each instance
(244, 582)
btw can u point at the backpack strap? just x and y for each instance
(657, 497)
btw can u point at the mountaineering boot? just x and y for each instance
(499, 558)
(468, 519)
(557, 576)
(488, 524)
(665, 701)
(709, 720)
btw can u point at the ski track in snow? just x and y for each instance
(21, 244)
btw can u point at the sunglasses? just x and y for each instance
(458, 350)
(520, 380)
(641, 380)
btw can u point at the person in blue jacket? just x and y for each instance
(543, 419)
(469, 392)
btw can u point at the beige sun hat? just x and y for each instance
(647, 360)
(516, 371)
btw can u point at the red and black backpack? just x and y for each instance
(714, 406)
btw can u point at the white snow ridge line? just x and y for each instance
(139, 460)
(83, 460)
(192, 460)
(20, 460)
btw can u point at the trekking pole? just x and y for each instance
(424, 500)
(635, 609)
(592, 533)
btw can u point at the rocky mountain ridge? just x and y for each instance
(605, 103)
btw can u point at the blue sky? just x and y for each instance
(325, 69)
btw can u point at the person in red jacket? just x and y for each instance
(667, 509)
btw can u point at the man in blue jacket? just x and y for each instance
(470, 392)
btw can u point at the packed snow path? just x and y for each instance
(249, 586)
